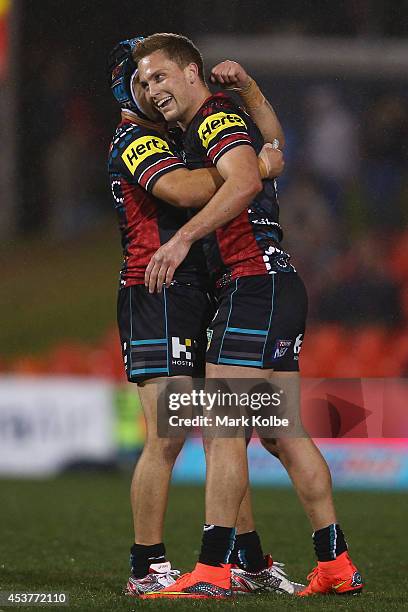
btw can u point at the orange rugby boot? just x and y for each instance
(337, 577)
(204, 582)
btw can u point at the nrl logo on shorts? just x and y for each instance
(281, 347)
(182, 352)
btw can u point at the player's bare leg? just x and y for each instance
(253, 569)
(227, 480)
(226, 484)
(149, 495)
(151, 478)
(245, 520)
(310, 475)
(303, 461)
(226, 494)
(311, 478)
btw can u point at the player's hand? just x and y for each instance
(160, 269)
(273, 160)
(229, 74)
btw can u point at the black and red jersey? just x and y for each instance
(138, 157)
(246, 245)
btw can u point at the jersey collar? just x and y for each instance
(217, 96)
(129, 117)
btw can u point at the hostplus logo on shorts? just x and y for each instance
(182, 352)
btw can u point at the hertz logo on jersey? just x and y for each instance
(214, 124)
(141, 148)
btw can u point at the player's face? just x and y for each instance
(167, 84)
(145, 102)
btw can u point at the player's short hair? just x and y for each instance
(178, 48)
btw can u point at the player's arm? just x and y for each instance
(149, 161)
(232, 75)
(239, 169)
(185, 188)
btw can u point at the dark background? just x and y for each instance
(343, 193)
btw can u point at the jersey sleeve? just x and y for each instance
(147, 157)
(221, 131)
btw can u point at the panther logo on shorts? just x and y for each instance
(298, 346)
(210, 333)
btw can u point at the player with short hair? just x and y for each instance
(152, 190)
(259, 326)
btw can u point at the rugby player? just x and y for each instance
(259, 326)
(152, 188)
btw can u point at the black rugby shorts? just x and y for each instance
(260, 322)
(163, 334)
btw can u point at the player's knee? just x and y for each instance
(291, 449)
(214, 445)
(165, 449)
(171, 449)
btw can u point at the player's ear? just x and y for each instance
(191, 72)
(136, 86)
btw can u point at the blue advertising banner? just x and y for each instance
(354, 464)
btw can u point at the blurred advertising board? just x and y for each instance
(354, 464)
(50, 424)
(360, 425)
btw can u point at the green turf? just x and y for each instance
(53, 292)
(72, 534)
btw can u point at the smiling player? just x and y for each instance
(259, 326)
(152, 188)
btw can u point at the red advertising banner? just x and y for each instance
(355, 408)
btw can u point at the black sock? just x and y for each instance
(248, 553)
(141, 557)
(329, 542)
(217, 545)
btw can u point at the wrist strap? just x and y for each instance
(252, 95)
(263, 170)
